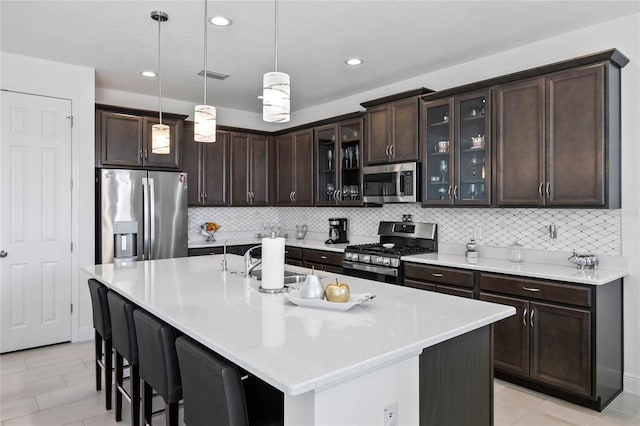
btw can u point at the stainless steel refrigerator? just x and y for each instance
(141, 215)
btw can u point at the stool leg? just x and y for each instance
(108, 372)
(172, 414)
(147, 408)
(135, 396)
(119, 368)
(98, 348)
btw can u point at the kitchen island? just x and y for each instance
(427, 356)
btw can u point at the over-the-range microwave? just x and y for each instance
(391, 183)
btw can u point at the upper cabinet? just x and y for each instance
(392, 129)
(206, 168)
(456, 161)
(123, 139)
(249, 169)
(294, 169)
(558, 140)
(338, 163)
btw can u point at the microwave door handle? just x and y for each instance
(400, 189)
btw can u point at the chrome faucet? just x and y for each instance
(224, 260)
(249, 262)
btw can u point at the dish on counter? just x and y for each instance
(355, 299)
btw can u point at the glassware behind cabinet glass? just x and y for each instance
(443, 168)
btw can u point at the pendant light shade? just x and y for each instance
(275, 97)
(276, 88)
(205, 124)
(160, 133)
(205, 115)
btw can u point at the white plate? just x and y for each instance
(354, 299)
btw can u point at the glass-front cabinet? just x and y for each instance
(457, 158)
(338, 163)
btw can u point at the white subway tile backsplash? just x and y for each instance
(584, 230)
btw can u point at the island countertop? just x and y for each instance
(295, 349)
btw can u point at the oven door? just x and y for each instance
(371, 272)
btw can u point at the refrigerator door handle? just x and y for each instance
(146, 220)
(152, 216)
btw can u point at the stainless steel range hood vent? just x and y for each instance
(212, 74)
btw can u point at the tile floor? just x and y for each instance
(55, 386)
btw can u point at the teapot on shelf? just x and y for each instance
(301, 231)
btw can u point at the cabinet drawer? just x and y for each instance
(326, 257)
(420, 285)
(204, 251)
(293, 252)
(536, 289)
(455, 291)
(438, 274)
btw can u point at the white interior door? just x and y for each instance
(35, 221)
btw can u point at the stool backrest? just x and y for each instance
(123, 329)
(211, 385)
(100, 307)
(157, 356)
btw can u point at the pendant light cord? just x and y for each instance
(275, 61)
(159, 67)
(205, 52)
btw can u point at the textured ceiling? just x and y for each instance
(396, 39)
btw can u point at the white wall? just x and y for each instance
(37, 76)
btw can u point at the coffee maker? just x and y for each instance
(337, 231)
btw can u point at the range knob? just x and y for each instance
(386, 261)
(378, 260)
(354, 256)
(366, 258)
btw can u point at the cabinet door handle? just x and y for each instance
(386, 150)
(392, 150)
(449, 191)
(540, 190)
(323, 257)
(140, 155)
(437, 275)
(531, 318)
(531, 289)
(205, 195)
(294, 196)
(146, 154)
(548, 190)
(524, 317)
(291, 196)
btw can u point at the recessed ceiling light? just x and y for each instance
(148, 73)
(354, 61)
(221, 21)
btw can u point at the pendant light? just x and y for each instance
(205, 115)
(276, 88)
(160, 134)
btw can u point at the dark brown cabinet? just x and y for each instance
(565, 339)
(556, 139)
(338, 163)
(294, 169)
(206, 168)
(123, 139)
(392, 132)
(456, 161)
(321, 260)
(293, 256)
(249, 169)
(456, 282)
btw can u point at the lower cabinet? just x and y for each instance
(293, 256)
(237, 249)
(320, 260)
(456, 282)
(564, 337)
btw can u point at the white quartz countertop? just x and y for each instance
(305, 243)
(295, 349)
(566, 273)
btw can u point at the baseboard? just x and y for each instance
(85, 334)
(631, 384)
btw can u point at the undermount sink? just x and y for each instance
(290, 277)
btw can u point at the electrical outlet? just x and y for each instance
(477, 233)
(391, 415)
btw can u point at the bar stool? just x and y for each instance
(214, 392)
(125, 345)
(102, 327)
(158, 361)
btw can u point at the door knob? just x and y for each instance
(3, 253)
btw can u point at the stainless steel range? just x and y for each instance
(381, 261)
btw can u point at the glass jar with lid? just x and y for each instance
(515, 252)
